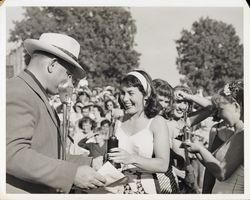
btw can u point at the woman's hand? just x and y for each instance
(181, 95)
(119, 155)
(193, 147)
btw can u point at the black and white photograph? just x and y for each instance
(106, 99)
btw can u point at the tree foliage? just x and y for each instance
(209, 55)
(106, 36)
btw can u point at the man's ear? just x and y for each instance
(51, 65)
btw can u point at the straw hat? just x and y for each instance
(62, 46)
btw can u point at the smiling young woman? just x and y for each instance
(143, 135)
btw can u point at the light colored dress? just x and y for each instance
(140, 143)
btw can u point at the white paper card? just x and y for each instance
(110, 173)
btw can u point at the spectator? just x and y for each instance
(98, 114)
(105, 126)
(86, 110)
(226, 164)
(164, 93)
(76, 113)
(111, 111)
(84, 96)
(165, 96)
(97, 147)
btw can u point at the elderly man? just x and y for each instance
(33, 136)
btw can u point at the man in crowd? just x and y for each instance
(33, 139)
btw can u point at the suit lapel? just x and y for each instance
(33, 85)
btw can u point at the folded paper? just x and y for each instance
(111, 174)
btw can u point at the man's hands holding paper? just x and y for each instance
(111, 174)
(87, 178)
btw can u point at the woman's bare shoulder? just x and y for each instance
(158, 122)
(159, 118)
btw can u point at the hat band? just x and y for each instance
(143, 82)
(67, 52)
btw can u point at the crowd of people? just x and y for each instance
(174, 112)
(171, 140)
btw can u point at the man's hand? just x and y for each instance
(88, 178)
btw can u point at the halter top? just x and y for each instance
(140, 143)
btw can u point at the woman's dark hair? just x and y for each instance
(233, 92)
(163, 88)
(75, 105)
(105, 121)
(99, 109)
(106, 103)
(87, 120)
(152, 106)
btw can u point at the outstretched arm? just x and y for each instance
(228, 158)
(197, 116)
(202, 101)
(200, 115)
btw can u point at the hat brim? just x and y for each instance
(32, 45)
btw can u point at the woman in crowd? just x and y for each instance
(84, 95)
(181, 116)
(105, 127)
(142, 134)
(226, 162)
(86, 126)
(111, 111)
(76, 112)
(98, 114)
(177, 120)
(164, 93)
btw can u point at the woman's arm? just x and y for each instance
(200, 115)
(197, 116)
(230, 157)
(177, 148)
(161, 150)
(83, 142)
(202, 101)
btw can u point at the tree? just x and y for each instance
(106, 36)
(209, 55)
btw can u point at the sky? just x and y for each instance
(157, 30)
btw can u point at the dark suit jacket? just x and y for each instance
(32, 162)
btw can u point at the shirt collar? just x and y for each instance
(37, 82)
